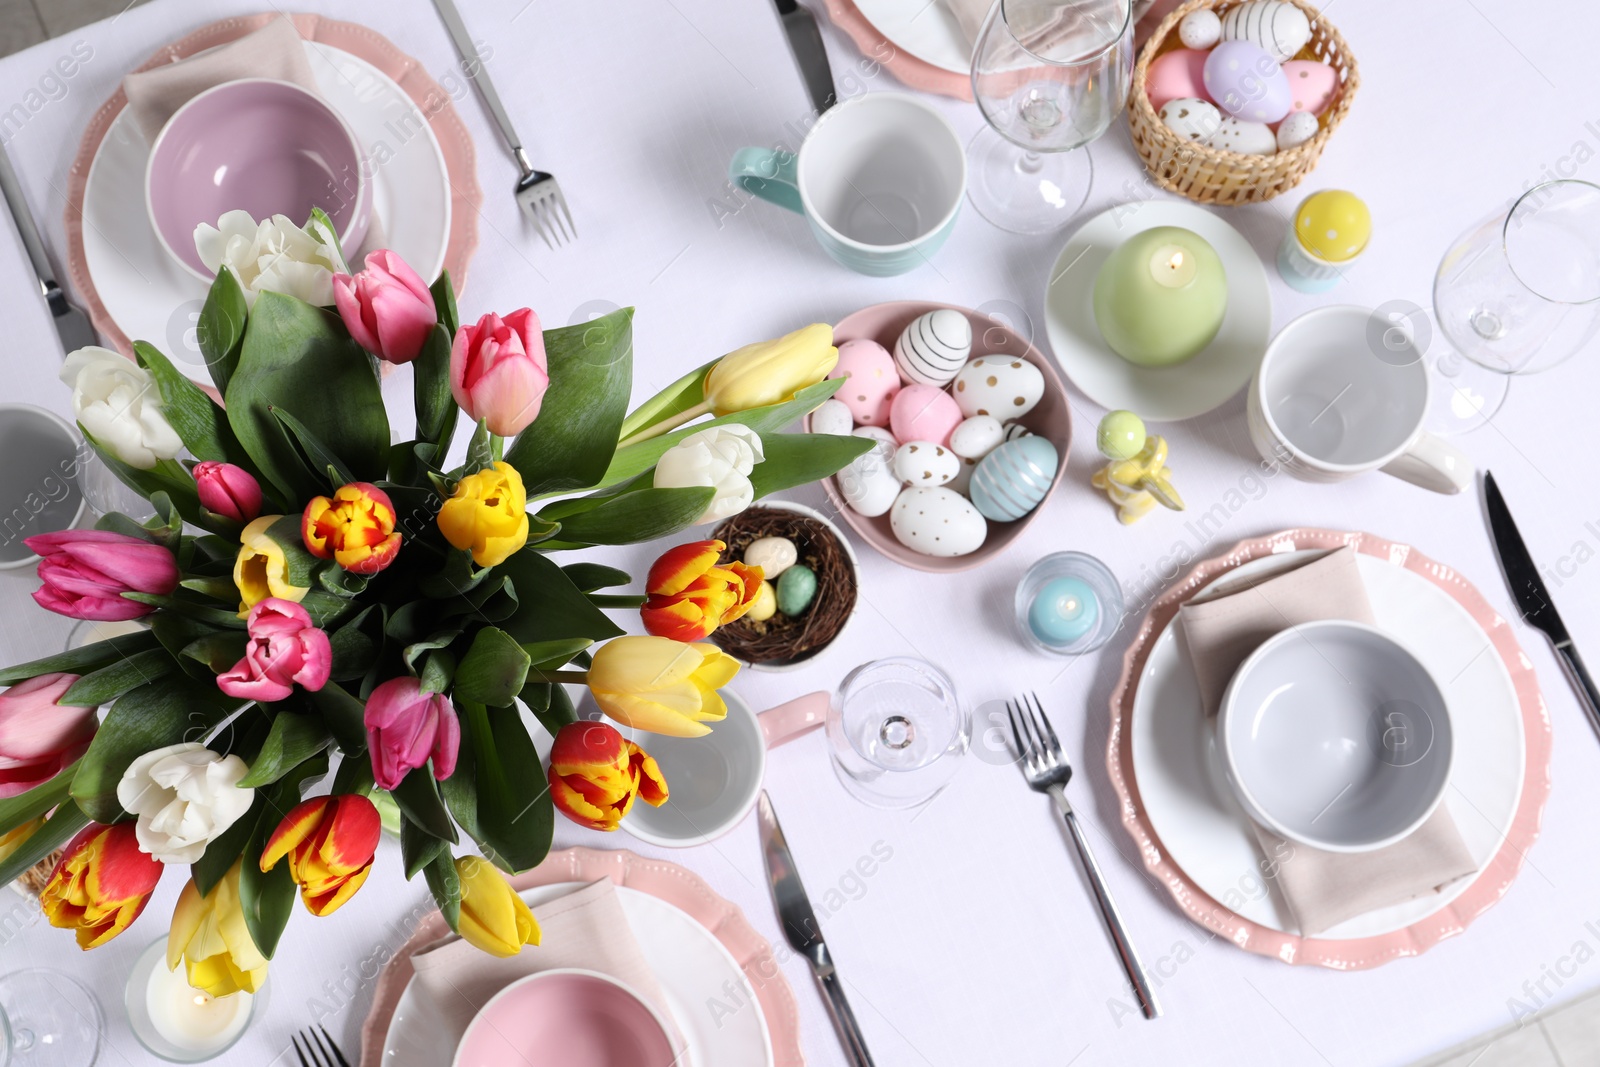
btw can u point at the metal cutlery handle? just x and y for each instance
(1588, 694)
(844, 1020)
(1108, 911)
(12, 189)
(473, 67)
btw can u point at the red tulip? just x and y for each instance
(38, 737)
(283, 649)
(690, 596)
(101, 883)
(85, 573)
(387, 308)
(230, 491)
(595, 773)
(498, 371)
(406, 728)
(330, 842)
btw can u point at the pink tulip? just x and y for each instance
(406, 727)
(230, 491)
(498, 370)
(283, 648)
(386, 308)
(38, 737)
(85, 573)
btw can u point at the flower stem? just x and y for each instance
(667, 425)
(616, 600)
(576, 677)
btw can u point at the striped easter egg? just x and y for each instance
(1277, 28)
(934, 347)
(1014, 478)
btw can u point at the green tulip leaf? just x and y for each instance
(292, 740)
(57, 830)
(445, 885)
(419, 800)
(418, 848)
(200, 423)
(111, 681)
(213, 864)
(551, 705)
(643, 515)
(356, 644)
(435, 405)
(83, 660)
(344, 716)
(591, 576)
(221, 328)
(553, 655)
(516, 817)
(550, 607)
(801, 458)
(219, 651)
(19, 809)
(480, 449)
(680, 396)
(444, 302)
(438, 669)
(267, 897)
(493, 670)
(318, 455)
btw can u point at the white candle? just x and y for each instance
(192, 1020)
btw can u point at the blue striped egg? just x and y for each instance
(934, 348)
(1014, 478)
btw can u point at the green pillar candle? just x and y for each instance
(1160, 297)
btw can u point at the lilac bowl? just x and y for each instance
(258, 145)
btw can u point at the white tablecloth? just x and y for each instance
(976, 942)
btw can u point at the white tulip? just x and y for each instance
(185, 796)
(721, 457)
(273, 255)
(118, 403)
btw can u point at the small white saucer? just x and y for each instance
(1157, 394)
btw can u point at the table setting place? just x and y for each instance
(761, 533)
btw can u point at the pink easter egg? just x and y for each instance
(1311, 85)
(1175, 75)
(924, 413)
(873, 383)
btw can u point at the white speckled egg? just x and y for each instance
(773, 555)
(933, 348)
(1296, 129)
(873, 381)
(1249, 138)
(886, 441)
(1007, 387)
(977, 437)
(925, 463)
(937, 522)
(1200, 29)
(1277, 28)
(868, 483)
(1191, 118)
(1014, 478)
(832, 416)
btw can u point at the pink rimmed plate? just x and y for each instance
(698, 945)
(916, 40)
(1191, 833)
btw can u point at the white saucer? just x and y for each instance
(924, 28)
(154, 299)
(1157, 394)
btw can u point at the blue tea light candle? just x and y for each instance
(1068, 603)
(1063, 611)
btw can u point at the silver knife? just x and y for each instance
(71, 323)
(1533, 599)
(805, 41)
(800, 928)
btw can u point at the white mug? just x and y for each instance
(1326, 405)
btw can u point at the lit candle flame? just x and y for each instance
(1176, 261)
(200, 1000)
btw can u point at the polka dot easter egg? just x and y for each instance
(1296, 129)
(925, 463)
(937, 522)
(1200, 29)
(932, 349)
(873, 381)
(1249, 138)
(1006, 387)
(923, 413)
(1247, 83)
(1191, 118)
(1311, 85)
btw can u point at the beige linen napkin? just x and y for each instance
(586, 928)
(1322, 889)
(273, 51)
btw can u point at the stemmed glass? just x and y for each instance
(1516, 294)
(48, 1019)
(896, 732)
(1049, 76)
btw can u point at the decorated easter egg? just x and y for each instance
(1176, 74)
(832, 416)
(1333, 225)
(1007, 387)
(1296, 129)
(886, 440)
(773, 555)
(1312, 85)
(962, 482)
(873, 381)
(923, 413)
(1015, 430)
(1014, 478)
(1277, 28)
(1200, 28)
(1250, 138)
(937, 522)
(977, 437)
(1191, 118)
(1247, 83)
(868, 483)
(934, 347)
(925, 463)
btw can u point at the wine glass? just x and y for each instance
(1049, 76)
(1516, 294)
(896, 732)
(48, 1019)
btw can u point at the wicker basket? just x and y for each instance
(1211, 175)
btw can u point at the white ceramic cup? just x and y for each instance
(39, 488)
(714, 780)
(1327, 403)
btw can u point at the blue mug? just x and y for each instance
(880, 179)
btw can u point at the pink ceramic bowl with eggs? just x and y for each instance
(1050, 419)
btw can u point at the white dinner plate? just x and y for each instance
(1158, 394)
(153, 299)
(924, 28)
(689, 962)
(1192, 808)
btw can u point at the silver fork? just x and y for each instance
(316, 1053)
(1048, 771)
(537, 192)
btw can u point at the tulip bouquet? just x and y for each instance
(315, 600)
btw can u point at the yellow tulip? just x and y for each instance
(209, 935)
(493, 917)
(15, 839)
(488, 513)
(768, 372)
(660, 685)
(261, 569)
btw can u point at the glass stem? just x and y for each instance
(1030, 163)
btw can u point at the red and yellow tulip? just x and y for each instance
(690, 595)
(210, 937)
(595, 773)
(493, 917)
(330, 843)
(354, 528)
(101, 884)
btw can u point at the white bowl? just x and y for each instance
(1334, 734)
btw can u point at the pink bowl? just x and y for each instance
(572, 1017)
(1051, 419)
(258, 145)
